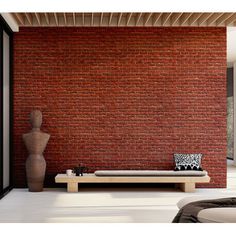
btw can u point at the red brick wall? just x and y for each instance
(122, 98)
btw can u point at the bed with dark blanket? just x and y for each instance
(189, 213)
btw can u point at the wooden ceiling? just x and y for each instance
(125, 19)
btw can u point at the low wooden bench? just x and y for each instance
(185, 182)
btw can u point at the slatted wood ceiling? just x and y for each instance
(125, 19)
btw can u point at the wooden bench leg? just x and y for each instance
(187, 187)
(72, 187)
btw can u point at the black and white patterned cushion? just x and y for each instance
(188, 162)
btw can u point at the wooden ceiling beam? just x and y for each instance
(175, 17)
(101, 18)
(184, 18)
(128, 18)
(119, 19)
(157, 18)
(110, 18)
(29, 18)
(38, 18)
(138, 18)
(83, 19)
(165, 18)
(147, 18)
(65, 19)
(92, 19)
(47, 18)
(20, 18)
(56, 19)
(74, 18)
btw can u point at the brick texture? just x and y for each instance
(122, 98)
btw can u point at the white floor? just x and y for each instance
(102, 205)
